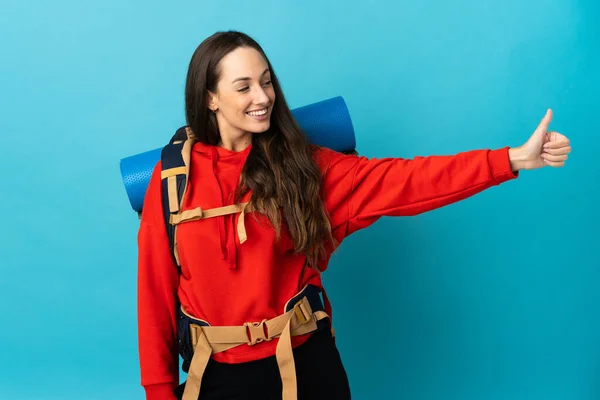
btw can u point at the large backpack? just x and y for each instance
(306, 312)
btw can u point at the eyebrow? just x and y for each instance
(247, 78)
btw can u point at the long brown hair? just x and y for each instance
(280, 170)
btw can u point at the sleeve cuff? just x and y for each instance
(161, 391)
(500, 165)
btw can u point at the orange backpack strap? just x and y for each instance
(304, 313)
(175, 161)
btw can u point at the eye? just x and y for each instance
(267, 83)
(244, 89)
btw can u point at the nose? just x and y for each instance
(261, 97)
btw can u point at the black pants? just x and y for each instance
(319, 373)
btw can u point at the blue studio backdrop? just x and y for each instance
(495, 297)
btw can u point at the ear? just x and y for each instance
(212, 101)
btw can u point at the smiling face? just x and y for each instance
(244, 95)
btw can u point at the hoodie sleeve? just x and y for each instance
(358, 191)
(158, 280)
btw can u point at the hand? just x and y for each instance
(544, 148)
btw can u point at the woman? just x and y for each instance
(259, 274)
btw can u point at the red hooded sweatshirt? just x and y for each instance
(228, 283)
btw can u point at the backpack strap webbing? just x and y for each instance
(175, 162)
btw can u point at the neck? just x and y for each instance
(231, 138)
(236, 144)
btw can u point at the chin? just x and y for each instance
(258, 129)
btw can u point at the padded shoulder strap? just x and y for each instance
(175, 160)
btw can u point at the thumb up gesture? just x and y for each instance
(544, 148)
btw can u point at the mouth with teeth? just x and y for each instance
(259, 115)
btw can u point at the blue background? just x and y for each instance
(495, 297)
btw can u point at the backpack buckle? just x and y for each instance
(256, 332)
(302, 314)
